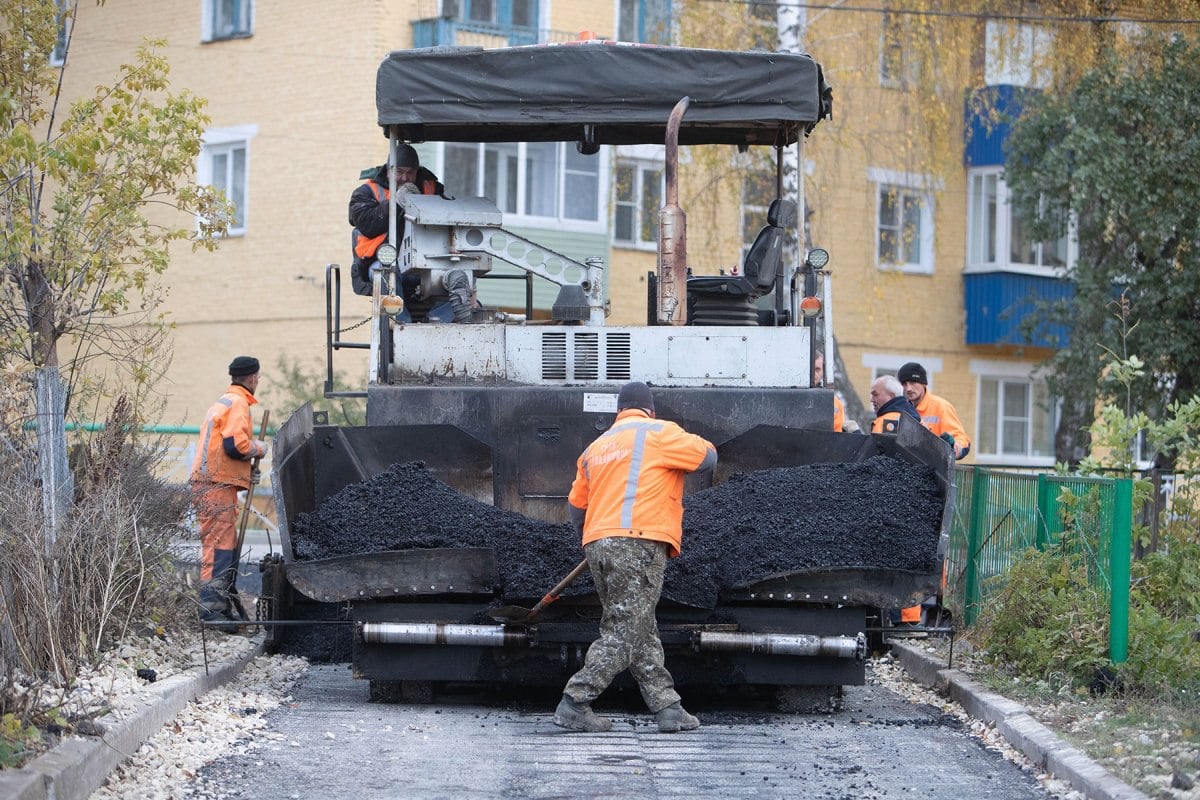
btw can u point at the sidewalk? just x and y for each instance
(79, 765)
(1039, 744)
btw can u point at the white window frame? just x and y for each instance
(1002, 233)
(58, 57)
(1011, 372)
(208, 10)
(1009, 55)
(903, 183)
(641, 168)
(640, 22)
(890, 364)
(223, 141)
(749, 235)
(558, 221)
(907, 66)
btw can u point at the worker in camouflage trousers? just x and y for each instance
(627, 504)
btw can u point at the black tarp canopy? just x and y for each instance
(605, 92)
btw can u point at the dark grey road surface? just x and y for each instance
(337, 745)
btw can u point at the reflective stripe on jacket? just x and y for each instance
(630, 480)
(228, 418)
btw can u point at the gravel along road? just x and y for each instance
(326, 741)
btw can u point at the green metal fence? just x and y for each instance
(1000, 514)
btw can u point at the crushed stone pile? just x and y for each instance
(880, 513)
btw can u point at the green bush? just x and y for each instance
(1047, 619)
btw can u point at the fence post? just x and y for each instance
(1119, 555)
(1047, 505)
(975, 528)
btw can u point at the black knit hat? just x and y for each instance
(243, 365)
(406, 156)
(912, 372)
(635, 395)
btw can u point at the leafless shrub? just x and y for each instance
(63, 599)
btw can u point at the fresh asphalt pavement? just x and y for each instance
(331, 742)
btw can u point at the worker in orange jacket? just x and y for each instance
(627, 504)
(368, 210)
(937, 414)
(889, 402)
(220, 469)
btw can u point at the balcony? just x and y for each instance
(998, 303)
(444, 31)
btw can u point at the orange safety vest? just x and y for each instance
(364, 247)
(228, 417)
(630, 480)
(839, 414)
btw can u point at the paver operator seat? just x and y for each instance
(730, 299)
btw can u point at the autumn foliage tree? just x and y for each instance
(1117, 154)
(86, 198)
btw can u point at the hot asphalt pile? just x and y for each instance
(881, 513)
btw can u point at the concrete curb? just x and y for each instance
(1039, 744)
(79, 765)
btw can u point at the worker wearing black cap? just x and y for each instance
(937, 414)
(369, 208)
(627, 504)
(220, 469)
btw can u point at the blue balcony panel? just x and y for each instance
(988, 114)
(997, 303)
(444, 32)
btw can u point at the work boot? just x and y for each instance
(579, 717)
(674, 719)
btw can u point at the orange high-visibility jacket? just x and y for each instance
(630, 480)
(939, 416)
(839, 414)
(227, 420)
(364, 247)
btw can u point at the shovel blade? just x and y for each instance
(513, 614)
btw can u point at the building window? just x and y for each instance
(999, 236)
(502, 13)
(58, 56)
(224, 165)
(758, 190)
(638, 196)
(1017, 415)
(1017, 54)
(897, 60)
(644, 21)
(227, 19)
(538, 180)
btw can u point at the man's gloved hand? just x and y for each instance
(260, 448)
(255, 475)
(949, 439)
(407, 188)
(851, 426)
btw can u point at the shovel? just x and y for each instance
(235, 599)
(522, 616)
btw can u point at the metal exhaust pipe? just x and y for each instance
(442, 633)
(786, 644)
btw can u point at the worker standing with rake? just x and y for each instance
(221, 468)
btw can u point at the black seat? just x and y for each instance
(729, 299)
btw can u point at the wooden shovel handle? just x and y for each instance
(554, 593)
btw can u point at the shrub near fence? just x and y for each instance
(998, 515)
